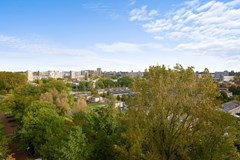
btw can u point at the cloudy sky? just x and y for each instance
(121, 35)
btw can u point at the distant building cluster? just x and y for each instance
(79, 75)
(219, 76)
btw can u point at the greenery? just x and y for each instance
(173, 115)
(109, 83)
(3, 143)
(97, 105)
(235, 90)
(9, 81)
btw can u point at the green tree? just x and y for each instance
(59, 85)
(99, 84)
(235, 90)
(173, 113)
(9, 81)
(223, 96)
(23, 97)
(3, 143)
(69, 145)
(125, 81)
(84, 86)
(49, 134)
(40, 122)
(103, 131)
(108, 83)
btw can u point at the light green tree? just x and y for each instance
(51, 137)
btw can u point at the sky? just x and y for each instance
(119, 35)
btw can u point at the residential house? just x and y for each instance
(231, 107)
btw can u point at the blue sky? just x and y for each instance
(121, 35)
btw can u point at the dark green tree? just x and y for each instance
(125, 81)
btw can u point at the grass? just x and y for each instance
(96, 105)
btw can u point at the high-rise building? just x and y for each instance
(99, 72)
(29, 75)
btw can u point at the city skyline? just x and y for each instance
(119, 36)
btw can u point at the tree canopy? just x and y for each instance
(175, 116)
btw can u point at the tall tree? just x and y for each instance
(9, 80)
(172, 113)
(48, 133)
(60, 99)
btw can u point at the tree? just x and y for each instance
(81, 103)
(23, 97)
(51, 138)
(84, 86)
(175, 116)
(125, 81)
(51, 83)
(235, 90)
(100, 84)
(60, 99)
(3, 143)
(103, 131)
(223, 96)
(40, 122)
(9, 81)
(108, 83)
(118, 98)
(69, 145)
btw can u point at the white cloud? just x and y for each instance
(205, 6)
(119, 47)
(158, 37)
(191, 3)
(123, 47)
(142, 14)
(203, 28)
(132, 2)
(219, 48)
(22, 45)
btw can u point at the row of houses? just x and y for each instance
(98, 99)
(116, 91)
(232, 107)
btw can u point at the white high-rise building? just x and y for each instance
(29, 75)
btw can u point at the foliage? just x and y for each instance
(59, 85)
(84, 86)
(24, 96)
(99, 84)
(103, 131)
(174, 116)
(236, 79)
(69, 145)
(40, 121)
(59, 99)
(125, 81)
(81, 103)
(235, 90)
(223, 97)
(9, 81)
(52, 139)
(10, 157)
(3, 143)
(7, 103)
